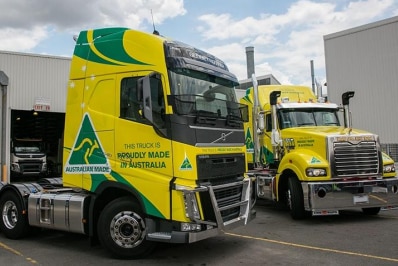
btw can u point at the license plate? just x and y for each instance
(361, 199)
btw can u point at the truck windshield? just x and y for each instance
(307, 117)
(198, 93)
(27, 147)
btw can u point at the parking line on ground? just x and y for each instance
(315, 248)
(16, 252)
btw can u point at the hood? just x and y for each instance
(314, 138)
(324, 131)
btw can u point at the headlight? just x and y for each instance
(15, 167)
(389, 168)
(315, 172)
(191, 206)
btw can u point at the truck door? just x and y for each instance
(142, 148)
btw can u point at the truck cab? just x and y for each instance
(28, 159)
(305, 154)
(153, 148)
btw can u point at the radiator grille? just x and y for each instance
(224, 173)
(356, 159)
(31, 166)
(227, 197)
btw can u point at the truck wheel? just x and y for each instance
(122, 230)
(295, 199)
(371, 211)
(14, 224)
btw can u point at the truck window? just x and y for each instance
(130, 105)
(326, 118)
(157, 98)
(286, 120)
(307, 117)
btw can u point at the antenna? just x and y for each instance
(153, 23)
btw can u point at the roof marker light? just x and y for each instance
(285, 100)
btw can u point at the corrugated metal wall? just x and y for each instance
(365, 60)
(34, 76)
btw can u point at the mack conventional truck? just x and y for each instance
(153, 148)
(304, 159)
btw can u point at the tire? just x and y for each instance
(371, 211)
(122, 230)
(295, 199)
(14, 224)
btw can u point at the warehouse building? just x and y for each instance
(33, 103)
(365, 60)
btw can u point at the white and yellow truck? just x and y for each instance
(154, 148)
(302, 157)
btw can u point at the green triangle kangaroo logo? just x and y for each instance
(87, 155)
(314, 160)
(186, 164)
(249, 142)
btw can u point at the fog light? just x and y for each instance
(188, 227)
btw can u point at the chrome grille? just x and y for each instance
(356, 159)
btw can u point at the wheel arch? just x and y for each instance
(283, 183)
(105, 193)
(22, 191)
(291, 165)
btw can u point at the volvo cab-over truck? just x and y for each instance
(302, 157)
(28, 158)
(153, 148)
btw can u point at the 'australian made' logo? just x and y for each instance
(87, 155)
(186, 164)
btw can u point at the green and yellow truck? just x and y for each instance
(154, 148)
(302, 157)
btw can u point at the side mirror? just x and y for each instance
(261, 122)
(145, 88)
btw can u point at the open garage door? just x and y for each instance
(34, 134)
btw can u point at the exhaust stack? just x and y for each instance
(346, 106)
(250, 61)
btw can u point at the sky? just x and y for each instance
(286, 34)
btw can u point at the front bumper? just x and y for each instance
(219, 205)
(330, 197)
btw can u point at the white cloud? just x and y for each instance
(76, 14)
(25, 22)
(22, 39)
(286, 42)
